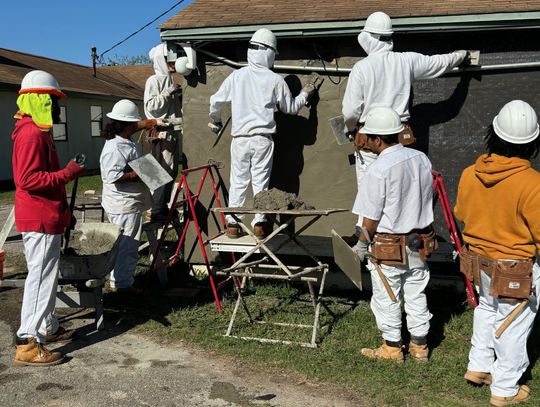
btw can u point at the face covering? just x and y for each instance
(372, 44)
(261, 58)
(38, 106)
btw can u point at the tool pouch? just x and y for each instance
(406, 136)
(390, 249)
(467, 264)
(428, 244)
(512, 279)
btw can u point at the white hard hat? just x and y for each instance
(180, 66)
(41, 82)
(379, 23)
(264, 36)
(516, 123)
(382, 121)
(125, 111)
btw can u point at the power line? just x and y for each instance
(139, 30)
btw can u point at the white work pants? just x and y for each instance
(126, 260)
(409, 281)
(42, 252)
(363, 161)
(506, 357)
(251, 158)
(166, 153)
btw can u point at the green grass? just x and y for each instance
(337, 360)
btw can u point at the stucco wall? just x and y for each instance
(449, 115)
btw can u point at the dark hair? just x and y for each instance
(496, 145)
(389, 139)
(113, 128)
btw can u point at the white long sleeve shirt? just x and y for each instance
(158, 103)
(397, 191)
(384, 78)
(120, 197)
(254, 92)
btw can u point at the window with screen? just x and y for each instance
(60, 129)
(96, 120)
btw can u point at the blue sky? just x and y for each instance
(68, 29)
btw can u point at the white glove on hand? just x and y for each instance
(361, 249)
(174, 88)
(464, 57)
(309, 88)
(215, 127)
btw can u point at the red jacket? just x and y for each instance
(40, 197)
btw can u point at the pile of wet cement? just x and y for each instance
(275, 199)
(90, 243)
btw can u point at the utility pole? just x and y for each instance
(94, 59)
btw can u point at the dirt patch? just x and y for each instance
(275, 199)
(90, 243)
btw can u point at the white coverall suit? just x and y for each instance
(160, 104)
(254, 91)
(384, 78)
(124, 203)
(398, 193)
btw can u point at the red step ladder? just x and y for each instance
(455, 238)
(209, 173)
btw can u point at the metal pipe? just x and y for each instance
(346, 71)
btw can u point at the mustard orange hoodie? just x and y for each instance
(499, 202)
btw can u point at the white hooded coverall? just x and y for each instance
(123, 202)
(254, 92)
(384, 78)
(398, 193)
(160, 104)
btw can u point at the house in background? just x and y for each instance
(449, 115)
(89, 99)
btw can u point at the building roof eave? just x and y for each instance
(343, 28)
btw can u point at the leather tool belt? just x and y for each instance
(391, 249)
(510, 279)
(405, 137)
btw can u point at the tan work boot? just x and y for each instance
(232, 231)
(522, 395)
(478, 378)
(419, 352)
(35, 354)
(385, 351)
(260, 230)
(61, 335)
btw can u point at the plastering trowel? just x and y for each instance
(150, 172)
(346, 259)
(339, 130)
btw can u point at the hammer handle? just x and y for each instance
(385, 283)
(510, 318)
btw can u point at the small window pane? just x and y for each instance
(60, 129)
(96, 129)
(95, 113)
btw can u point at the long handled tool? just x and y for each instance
(79, 159)
(510, 318)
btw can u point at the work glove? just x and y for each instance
(131, 176)
(174, 88)
(147, 124)
(215, 127)
(464, 57)
(73, 170)
(361, 249)
(310, 89)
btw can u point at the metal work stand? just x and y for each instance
(89, 296)
(244, 269)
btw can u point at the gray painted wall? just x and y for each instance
(450, 115)
(79, 138)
